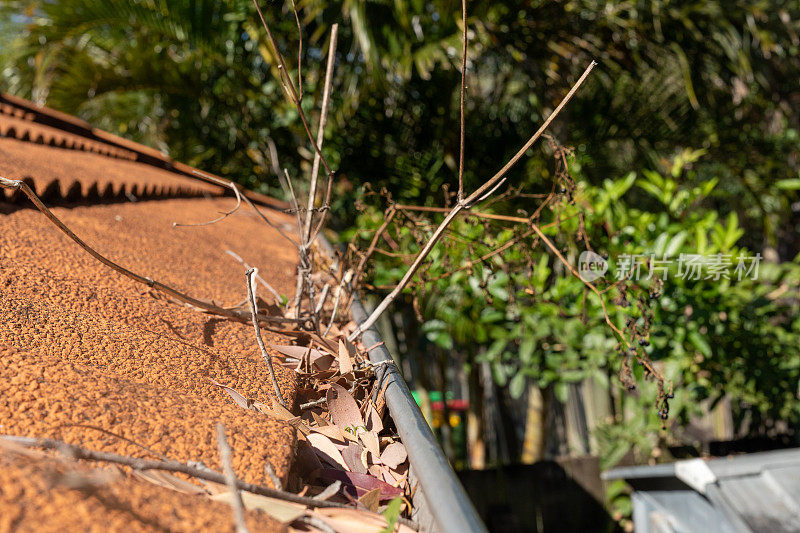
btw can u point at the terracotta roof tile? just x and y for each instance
(36, 493)
(81, 344)
(26, 130)
(75, 175)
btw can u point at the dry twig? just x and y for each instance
(323, 118)
(156, 285)
(251, 296)
(79, 452)
(272, 475)
(463, 86)
(257, 276)
(462, 205)
(223, 215)
(230, 478)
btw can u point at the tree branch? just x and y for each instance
(251, 296)
(194, 302)
(230, 478)
(464, 204)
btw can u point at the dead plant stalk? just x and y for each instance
(230, 478)
(156, 285)
(251, 297)
(464, 205)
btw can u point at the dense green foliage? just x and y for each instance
(522, 312)
(195, 78)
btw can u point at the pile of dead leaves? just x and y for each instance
(345, 451)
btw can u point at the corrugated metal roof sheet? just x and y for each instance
(755, 492)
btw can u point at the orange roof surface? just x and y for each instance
(82, 347)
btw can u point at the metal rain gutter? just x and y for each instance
(444, 505)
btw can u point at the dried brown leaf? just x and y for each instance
(374, 422)
(371, 500)
(370, 440)
(240, 400)
(281, 510)
(343, 408)
(332, 432)
(394, 455)
(165, 479)
(345, 363)
(352, 455)
(356, 521)
(326, 450)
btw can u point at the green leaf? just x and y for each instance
(789, 185)
(699, 342)
(517, 385)
(526, 348)
(392, 514)
(561, 391)
(675, 244)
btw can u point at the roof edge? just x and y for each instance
(144, 154)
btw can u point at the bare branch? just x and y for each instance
(326, 94)
(339, 291)
(295, 203)
(315, 403)
(322, 298)
(437, 234)
(230, 478)
(492, 190)
(194, 302)
(291, 90)
(78, 452)
(251, 295)
(249, 203)
(224, 215)
(387, 219)
(463, 85)
(257, 276)
(575, 273)
(491, 216)
(270, 471)
(299, 52)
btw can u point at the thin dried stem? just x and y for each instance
(316, 523)
(491, 191)
(257, 276)
(323, 118)
(322, 298)
(312, 404)
(295, 204)
(437, 234)
(230, 479)
(484, 257)
(299, 52)
(224, 214)
(490, 216)
(272, 475)
(291, 89)
(250, 204)
(274, 163)
(463, 85)
(156, 285)
(575, 273)
(339, 291)
(78, 452)
(387, 219)
(251, 296)
(330, 490)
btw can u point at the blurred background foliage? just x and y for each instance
(685, 140)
